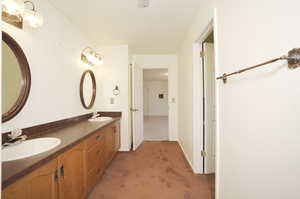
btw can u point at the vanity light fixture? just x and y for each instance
(15, 13)
(12, 11)
(91, 57)
(31, 16)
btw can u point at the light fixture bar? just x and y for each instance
(12, 12)
(91, 57)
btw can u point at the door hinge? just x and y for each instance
(203, 153)
(202, 54)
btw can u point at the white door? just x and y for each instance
(137, 106)
(210, 108)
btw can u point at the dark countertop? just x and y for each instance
(71, 135)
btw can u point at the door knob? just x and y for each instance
(134, 109)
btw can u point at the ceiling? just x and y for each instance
(158, 29)
(155, 74)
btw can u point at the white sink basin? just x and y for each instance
(100, 119)
(29, 148)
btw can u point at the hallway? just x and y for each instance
(157, 170)
(156, 128)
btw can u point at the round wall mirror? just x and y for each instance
(16, 78)
(88, 89)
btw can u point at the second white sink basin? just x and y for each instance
(29, 148)
(100, 119)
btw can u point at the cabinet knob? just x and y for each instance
(98, 137)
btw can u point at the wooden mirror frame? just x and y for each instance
(26, 77)
(94, 89)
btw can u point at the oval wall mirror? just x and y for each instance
(16, 78)
(88, 89)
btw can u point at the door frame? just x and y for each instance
(169, 97)
(198, 100)
(206, 111)
(169, 101)
(132, 146)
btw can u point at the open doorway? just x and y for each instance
(155, 104)
(209, 104)
(205, 99)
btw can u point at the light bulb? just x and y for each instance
(33, 18)
(98, 59)
(12, 7)
(94, 60)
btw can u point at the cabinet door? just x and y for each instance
(71, 172)
(18, 190)
(42, 183)
(109, 145)
(117, 136)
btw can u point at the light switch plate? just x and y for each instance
(112, 100)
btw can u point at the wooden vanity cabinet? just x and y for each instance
(74, 173)
(18, 190)
(41, 183)
(62, 178)
(109, 145)
(94, 159)
(71, 173)
(112, 142)
(117, 137)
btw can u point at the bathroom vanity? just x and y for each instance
(71, 154)
(71, 169)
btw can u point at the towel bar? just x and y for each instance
(293, 59)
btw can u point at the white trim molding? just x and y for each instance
(198, 102)
(186, 156)
(198, 98)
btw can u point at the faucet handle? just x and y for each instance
(15, 133)
(95, 114)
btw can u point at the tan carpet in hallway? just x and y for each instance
(157, 170)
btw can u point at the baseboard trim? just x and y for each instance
(124, 149)
(186, 157)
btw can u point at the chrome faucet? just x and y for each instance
(16, 137)
(95, 115)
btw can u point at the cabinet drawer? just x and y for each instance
(94, 155)
(95, 139)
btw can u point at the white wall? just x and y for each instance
(170, 62)
(190, 129)
(53, 53)
(115, 71)
(258, 119)
(154, 106)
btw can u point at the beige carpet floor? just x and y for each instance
(157, 170)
